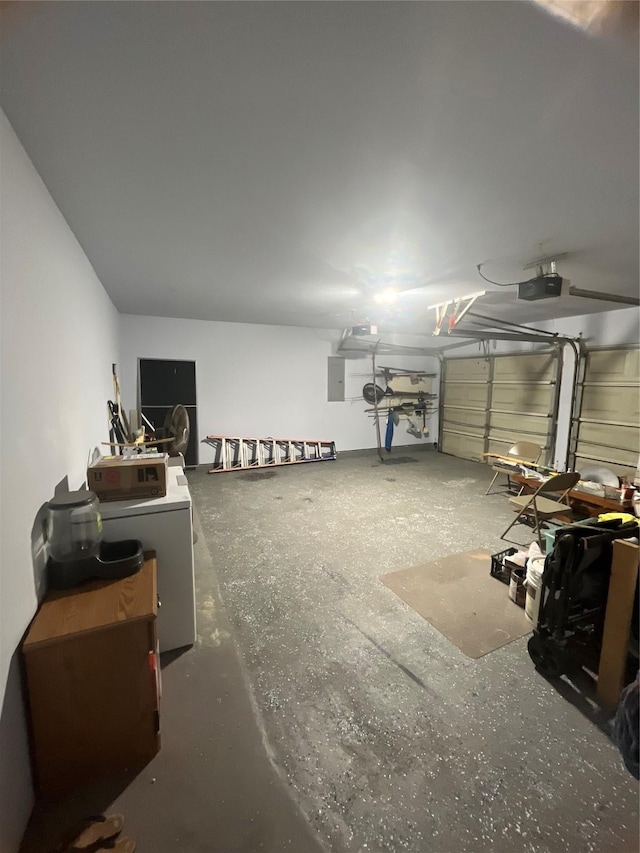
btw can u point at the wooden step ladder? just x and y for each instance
(239, 454)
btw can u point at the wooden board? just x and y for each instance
(94, 606)
(515, 460)
(617, 625)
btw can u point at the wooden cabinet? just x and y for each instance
(93, 680)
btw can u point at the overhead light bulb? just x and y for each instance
(386, 297)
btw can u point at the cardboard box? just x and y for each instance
(121, 478)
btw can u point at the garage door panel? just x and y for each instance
(627, 437)
(609, 403)
(608, 428)
(474, 396)
(519, 397)
(507, 438)
(523, 391)
(463, 428)
(620, 461)
(497, 445)
(467, 417)
(583, 462)
(524, 368)
(470, 369)
(614, 365)
(467, 447)
(516, 425)
(464, 406)
(523, 398)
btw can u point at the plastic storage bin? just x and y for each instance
(501, 566)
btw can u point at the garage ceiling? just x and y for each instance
(278, 162)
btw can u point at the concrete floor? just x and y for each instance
(487, 755)
(346, 722)
(213, 787)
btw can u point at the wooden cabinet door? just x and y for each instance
(94, 706)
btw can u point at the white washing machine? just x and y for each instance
(165, 526)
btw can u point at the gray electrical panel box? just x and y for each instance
(335, 379)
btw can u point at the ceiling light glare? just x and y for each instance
(386, 297)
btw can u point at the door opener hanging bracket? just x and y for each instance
(460, 306)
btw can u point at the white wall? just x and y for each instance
(608, 328)
(259, 380)
(58, 339)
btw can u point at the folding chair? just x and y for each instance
(540, 507)
(521, 451)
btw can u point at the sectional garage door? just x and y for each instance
(523, 401)
(606, 430)
(465, 399)
(490, 403)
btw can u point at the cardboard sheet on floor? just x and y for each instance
(460, 599)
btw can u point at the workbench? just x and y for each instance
(583, 504)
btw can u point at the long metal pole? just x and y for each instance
(507, 336)
(375, 408)
(497, 322)
(605, 297)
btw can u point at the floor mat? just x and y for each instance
(457, 595)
